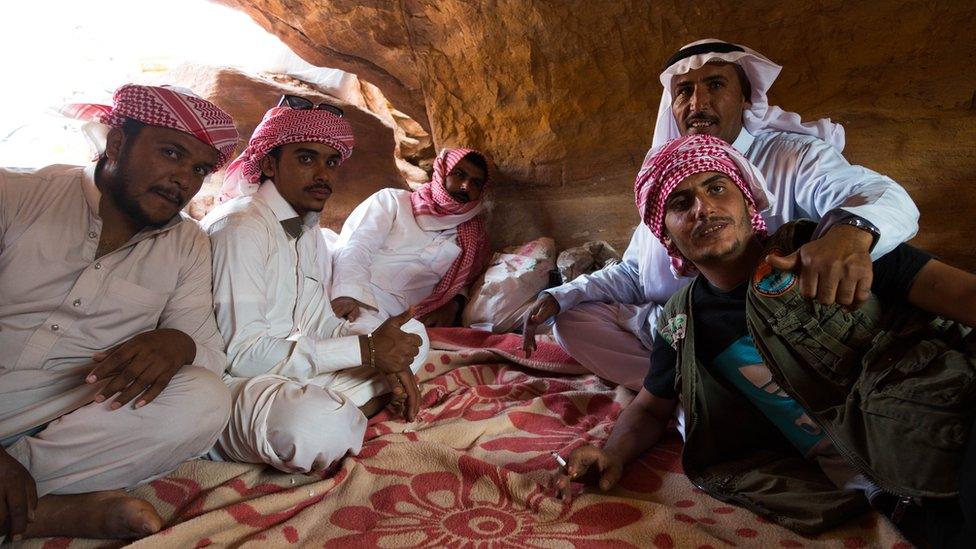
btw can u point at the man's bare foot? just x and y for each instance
(374, 405)
(100, 515)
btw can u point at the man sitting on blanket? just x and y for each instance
(606, 319)
(877, 400)
(109, 354)
(422, 249)
(303, 380)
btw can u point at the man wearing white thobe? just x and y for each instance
(420, 249)
(105, 297)
(300, 377)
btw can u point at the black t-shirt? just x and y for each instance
(722, 315)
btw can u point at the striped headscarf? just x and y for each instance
(281, 126)
(665, 167)
(432, 205)
(168, 107)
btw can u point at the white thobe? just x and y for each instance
(807, 179)
(59, 305)
(385, 260)
(295, 368)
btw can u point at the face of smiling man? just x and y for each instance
(707, 218)
(303, 173)
(709, 100)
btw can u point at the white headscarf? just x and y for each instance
(761, 116)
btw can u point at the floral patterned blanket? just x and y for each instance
(473, 471)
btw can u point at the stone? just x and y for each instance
(563, 95)
(591, 256)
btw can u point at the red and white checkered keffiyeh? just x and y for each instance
(281, 126)
(168, 107)
(432, 199)
(666, 167)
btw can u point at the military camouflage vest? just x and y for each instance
(892, 387)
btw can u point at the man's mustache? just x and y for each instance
(315, 186)
(708, 224)
(168, 192)
(704, 117)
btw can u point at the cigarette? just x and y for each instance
(559, 459)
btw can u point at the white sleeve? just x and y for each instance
(240, 302)
(827, 181)
(190, 308)
(5, 204)
(364, 232)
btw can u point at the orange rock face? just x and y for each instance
(563, 94)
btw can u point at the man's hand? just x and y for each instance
(347, 308)
(835, 268)
(402, 385)
(443, 316)
(610, 469)
(143, 365)
(544, 308)
(18, 496)
(395, 350)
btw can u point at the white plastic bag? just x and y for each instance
(514, 278)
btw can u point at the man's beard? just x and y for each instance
(720, 255)
(119, 188)
(729, 252)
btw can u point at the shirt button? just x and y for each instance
(91, 234)
(98, 266)
(76, 303)
(55, 327)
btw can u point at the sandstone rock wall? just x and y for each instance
(563, 94)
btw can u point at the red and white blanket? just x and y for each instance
(473, 471)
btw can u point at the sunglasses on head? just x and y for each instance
(301, 104)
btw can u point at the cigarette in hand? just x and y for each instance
(559, 459)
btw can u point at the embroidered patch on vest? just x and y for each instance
(674, 330)
(770, 282)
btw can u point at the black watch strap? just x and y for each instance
(864, 225)
(843, 217)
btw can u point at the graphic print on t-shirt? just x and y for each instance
(742, 366)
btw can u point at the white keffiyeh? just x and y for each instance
(761, 116)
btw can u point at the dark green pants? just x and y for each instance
(952, 523)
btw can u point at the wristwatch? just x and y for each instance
(839, 216)
(864, 225)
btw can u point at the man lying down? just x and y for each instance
(800, 412)
(420, 249)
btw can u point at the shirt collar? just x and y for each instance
(744, 142)
(283, 212)
(269, 194)
(88, 188)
